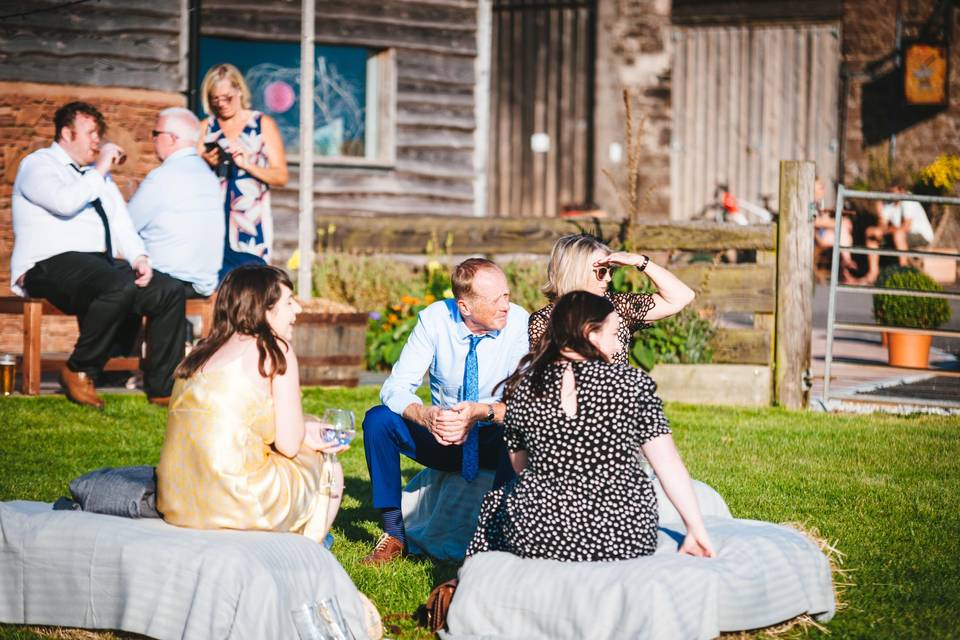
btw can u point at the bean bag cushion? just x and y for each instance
(763, 574)
(79, 569)
(440, 510)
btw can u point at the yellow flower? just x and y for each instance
(392, 317)
(432, 266)
(331, 228)
(294, 262)
(448, 293)
(396, 307)
(429, 299)
(408, 300)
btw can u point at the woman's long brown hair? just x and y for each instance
(243, 299)
(575, 316)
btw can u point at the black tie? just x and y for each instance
(103, 218)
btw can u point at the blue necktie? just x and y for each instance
(471, 393)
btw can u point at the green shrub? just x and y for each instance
(910, 311)
(364, 282)
(683, 338)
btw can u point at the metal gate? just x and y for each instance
(744, 98)
(541, 106)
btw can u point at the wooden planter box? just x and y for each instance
(727, 384)
(330, 348)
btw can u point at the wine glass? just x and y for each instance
(449, 396)
(342, 423)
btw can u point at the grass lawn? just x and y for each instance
(885, 490)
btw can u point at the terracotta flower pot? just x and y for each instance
(910, 350)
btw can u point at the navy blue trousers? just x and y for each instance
(386, 435)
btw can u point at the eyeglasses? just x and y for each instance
(602, 272)
(224, 98)
(156, 133)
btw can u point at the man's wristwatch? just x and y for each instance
(491, 416)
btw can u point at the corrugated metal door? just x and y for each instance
(745, 98)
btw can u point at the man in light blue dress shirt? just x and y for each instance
(479, 313)
(178, 209)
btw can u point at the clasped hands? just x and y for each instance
(452, 426)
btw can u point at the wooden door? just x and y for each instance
(745, 98)
(541, 85)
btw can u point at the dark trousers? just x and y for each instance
(103, 296)
(386, 435)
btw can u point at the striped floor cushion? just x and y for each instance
(77, 569)
(440, 510)
(763, 574)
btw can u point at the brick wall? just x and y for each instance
(875, 108)
(26, 113)
(633, 52)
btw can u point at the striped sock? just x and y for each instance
(393, 523)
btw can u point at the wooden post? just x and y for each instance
(30, 366)
(794, 284)
(306, 234)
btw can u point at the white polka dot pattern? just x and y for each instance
(584, 495)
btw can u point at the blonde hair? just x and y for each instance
(570, 265)
(220, 72)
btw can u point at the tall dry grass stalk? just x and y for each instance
(631, 200)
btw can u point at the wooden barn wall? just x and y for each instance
(116, 43)
(435, 45)
(745, 98)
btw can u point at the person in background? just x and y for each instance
(906, 225)
(582, 262)
(178, 210)
(238, 453)
(246, 150)
(824, 230)
(76, 246)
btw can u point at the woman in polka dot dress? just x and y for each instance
(575, 425)
(581, 262)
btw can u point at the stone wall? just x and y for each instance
(875, 108)
(633, 52)
(26, 114)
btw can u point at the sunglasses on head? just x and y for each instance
(601, 272)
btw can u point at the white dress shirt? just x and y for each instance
(53, 214)
(439, 343)
(896, 212)
(178, 211)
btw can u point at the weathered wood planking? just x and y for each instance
(742, 346)
(124, 43)
(434, 45)
(747, 288)
(746, 97)
(410, 233)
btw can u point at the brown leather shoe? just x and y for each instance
(163, 401)
(388, 549)
(79, 388)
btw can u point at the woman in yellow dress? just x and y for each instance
(238, 453)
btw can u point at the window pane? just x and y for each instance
(272, 72)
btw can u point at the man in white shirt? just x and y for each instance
(178, 209)
(905, 223)
(75, 246)
(469, 344)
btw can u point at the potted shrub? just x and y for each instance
(910, 349)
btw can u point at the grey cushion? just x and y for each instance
(130, 492)
(78, 569)
(440, 510)
(763, 574)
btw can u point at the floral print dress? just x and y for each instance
(246, 199)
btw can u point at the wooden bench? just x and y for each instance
(34, 361)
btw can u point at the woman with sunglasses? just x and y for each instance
(245, 149)
(581, 262)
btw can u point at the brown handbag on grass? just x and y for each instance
(438, 603)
